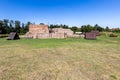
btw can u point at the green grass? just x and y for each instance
(60, 59)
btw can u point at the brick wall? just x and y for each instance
(42, 31)
(38, 28)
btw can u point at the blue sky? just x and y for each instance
(70, 12)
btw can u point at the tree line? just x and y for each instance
(7, 26)
(83, 28)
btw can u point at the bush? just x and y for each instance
(113, 35)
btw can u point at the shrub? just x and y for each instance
(113, 35)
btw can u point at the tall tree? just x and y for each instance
(6, 21)
(42, 24)
(51, 26)
(82, 28)
(12, 25)
(86, 28)
(5, 26)
(64, 26)
(27, 26)
(97, 27)
(17, 26)
(74, 29)
(1, 26)
(107, 29)
(89, 28)
(22, 30)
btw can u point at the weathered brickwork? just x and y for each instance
(42, 31)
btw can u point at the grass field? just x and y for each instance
(60, 59)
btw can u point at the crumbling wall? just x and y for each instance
(66, 32)
(38, 28)
(42, 35)
(57, 35)
(42, 31)
(29, 35)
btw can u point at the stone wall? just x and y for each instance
(42, 31)
(67, 32)
(42, 35)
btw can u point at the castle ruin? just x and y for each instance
(42, 31)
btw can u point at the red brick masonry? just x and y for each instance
(42, 31)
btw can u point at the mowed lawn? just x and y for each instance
(60, 59)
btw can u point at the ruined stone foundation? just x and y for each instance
(42, 31)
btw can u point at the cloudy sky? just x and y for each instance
(70, 12)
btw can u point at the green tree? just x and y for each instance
(86, 28)
(6, 21)
(5, 26)
(27, 26)
(74, 29)
(82, 28)
(11, 25)
(107, 29)
(97, 27)
(51, 26)
(22, 30)
(42, 24)
(17, 26)
(89, 28)
(1, 26)
(64, 26)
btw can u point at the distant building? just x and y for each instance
(42, 31)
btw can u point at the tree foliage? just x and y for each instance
(17, 26)
(88, 28)
(58, 26)
(107, 29)
(74, 29)
(7, 26)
